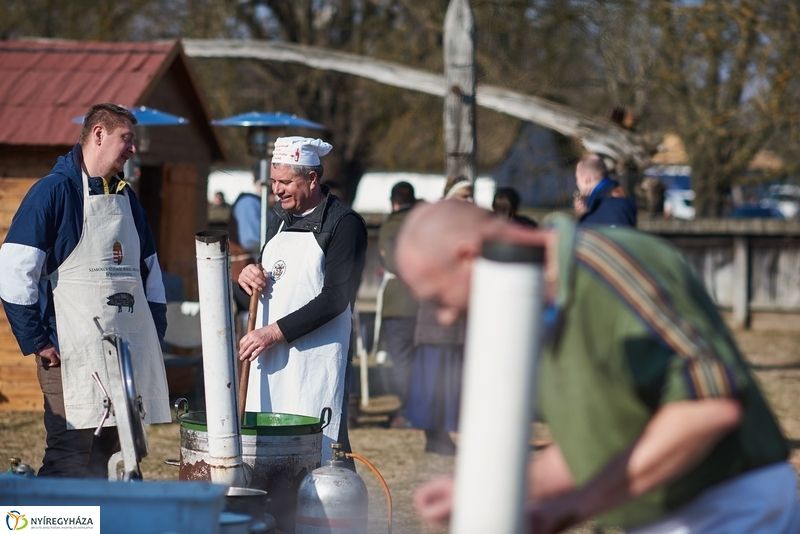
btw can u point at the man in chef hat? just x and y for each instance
(308, 276)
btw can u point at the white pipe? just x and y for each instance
(502, 344)
(219, 368)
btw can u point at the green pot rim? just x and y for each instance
(261, 423)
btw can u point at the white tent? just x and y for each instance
(372, 195)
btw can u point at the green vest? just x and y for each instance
(637, 331)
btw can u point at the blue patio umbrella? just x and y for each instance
(146, 116)
(268, 120)
(259, 124)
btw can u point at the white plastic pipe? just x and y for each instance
(219, 357)
(502, 344)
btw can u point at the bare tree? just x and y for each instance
(718, 73)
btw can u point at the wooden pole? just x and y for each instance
(244, 369)
(459, 98)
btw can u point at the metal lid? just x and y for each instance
(505, 252)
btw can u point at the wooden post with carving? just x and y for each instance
(459, 99)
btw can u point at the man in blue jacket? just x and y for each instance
(601, 200)
(80, 251)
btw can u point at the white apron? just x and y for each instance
(307, 375)
(101, 278)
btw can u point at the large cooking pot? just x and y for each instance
(278, 450)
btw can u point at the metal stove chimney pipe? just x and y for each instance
(502, 345)
(219, 357)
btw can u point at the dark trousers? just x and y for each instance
(398, 338)
(71, 453)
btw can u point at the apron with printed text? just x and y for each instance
(307, 375)
(101, 278)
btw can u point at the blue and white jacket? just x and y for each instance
(43, 233)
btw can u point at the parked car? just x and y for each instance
(755, 211)
(679, 203)
(784, 198)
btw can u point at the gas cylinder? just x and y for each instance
(332, 499)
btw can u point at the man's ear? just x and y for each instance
(468, 250)
(313, 177)
(97, 133)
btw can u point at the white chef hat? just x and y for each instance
(296, 150)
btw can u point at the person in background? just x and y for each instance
(599, 199)
(458, 188)
(219, 211)
(506, 204)
(308, 276)
(244, 227)
(80, 251)
(657, 422)
(434, 395)
(397, 308)
(652, 192)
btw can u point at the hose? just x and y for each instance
(360, 458)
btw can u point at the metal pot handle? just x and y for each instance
(325, 417)
(181, 401)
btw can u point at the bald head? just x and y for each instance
(435, 250)
(437, 246)
(432, 229)
(588, 173)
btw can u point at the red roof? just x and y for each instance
(45, 84)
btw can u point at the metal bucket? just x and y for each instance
(253, 503)
(278, 450)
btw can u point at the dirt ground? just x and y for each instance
(398, 454)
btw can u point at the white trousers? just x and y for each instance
(761, 501)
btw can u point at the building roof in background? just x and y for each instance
(44, 84)
(671, 151)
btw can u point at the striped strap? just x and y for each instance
(706, 375)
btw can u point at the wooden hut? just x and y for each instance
(44, 86)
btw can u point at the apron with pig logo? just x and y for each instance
(307, 375)
(101, 278)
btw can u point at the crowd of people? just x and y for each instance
(657, 422)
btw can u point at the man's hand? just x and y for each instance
(679, 435)
(253, 278)
(579, 205)
(434, 501)
(553, 515)
(50, 357)
(259, 340)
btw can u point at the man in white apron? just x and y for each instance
(309, 275)
(79, 251)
